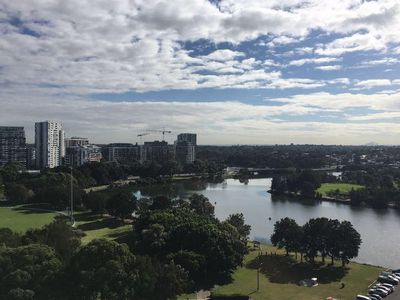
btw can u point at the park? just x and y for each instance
(279, 273)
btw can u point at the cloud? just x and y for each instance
(329, 68)
(318, 60)
(370, 83)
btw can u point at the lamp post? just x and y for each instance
(258, 270)
(72, 201)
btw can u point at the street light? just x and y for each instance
(258, 270)
(72, 201)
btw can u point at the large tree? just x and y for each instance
(28, 272)
(102, 269)
(350, 241)
(237, 221)
(201, 205)
(181, 233)
(285, 235)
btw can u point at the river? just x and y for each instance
(379, 229)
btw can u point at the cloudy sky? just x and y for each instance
(234, 71)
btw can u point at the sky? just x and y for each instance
(233, 71)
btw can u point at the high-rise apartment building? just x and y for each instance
(49, 142)
(156, 151)
(184, 152)
(76, 141)
(185, 147)
(188, 137)
(12, 145)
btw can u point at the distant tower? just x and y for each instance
(185, 147)
(188, 137)
(12, 145)
(49, 143)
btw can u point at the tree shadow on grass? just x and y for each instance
(86, 217)
(285, 269)
(100, 223)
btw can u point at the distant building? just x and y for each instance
(79, 155)
(30, 156)
(49, 142)
(121, 152)
(76, 141)
(185, 147)
(157, 151)
(188, 137)
(12, 145)
(184, 152)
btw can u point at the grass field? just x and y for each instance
(19, 219)
(280, 274)
(97, 227)
(344, 188)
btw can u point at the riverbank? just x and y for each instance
(280, 274)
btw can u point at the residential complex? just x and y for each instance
(12, 145)
(76, 141)
(49, 142)
(52, 149)
(121, 152)
(81, 154)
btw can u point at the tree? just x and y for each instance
(217, 247)
(9, 238)
(349, 243)
(96, 202)
(237, 221)
(159, 280)
(278, 185)
(17, 193)
(201, 205)
(28, 271)
(122, 204)
(102, 269)
(59, 235)
(285, 234)
(161, 202)
(333, 240)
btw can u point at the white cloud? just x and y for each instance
(382, 61)
(370, 83)
(329, 68)
(317, 60)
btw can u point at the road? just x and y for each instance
(395, 295)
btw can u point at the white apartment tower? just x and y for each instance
(49, 143)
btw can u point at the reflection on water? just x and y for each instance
(379, 229)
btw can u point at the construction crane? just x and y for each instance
(140, 135)
(163, 131)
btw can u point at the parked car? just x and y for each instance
(379, 292)
(387, 285)
(375, 297)
(386, 279)
(378, 286)
(362, 297)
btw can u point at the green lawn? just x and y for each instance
(19, 219)
(96, 226)
(280, 274)
(344, 188)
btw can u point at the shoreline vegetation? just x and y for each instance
(280, 275)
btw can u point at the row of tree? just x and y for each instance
(318, 237)
(302, 182)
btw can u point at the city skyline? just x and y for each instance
(237, 72)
